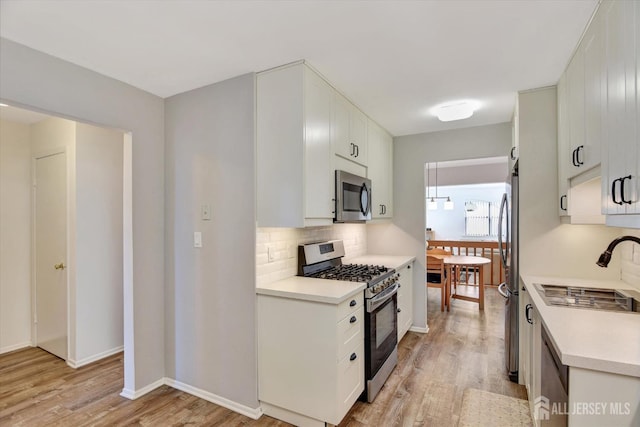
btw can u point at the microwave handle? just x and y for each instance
(364, 208)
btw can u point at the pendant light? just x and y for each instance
(432, 205)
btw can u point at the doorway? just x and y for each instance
(79, 218)
(50, 238)
(462, 200)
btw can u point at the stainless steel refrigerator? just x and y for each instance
(508, 246)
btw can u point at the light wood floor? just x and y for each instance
(464, 348)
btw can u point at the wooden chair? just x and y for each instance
(436, 276)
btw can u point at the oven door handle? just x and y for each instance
(378, 300)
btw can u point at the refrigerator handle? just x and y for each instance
(504, 214)
(503, 290)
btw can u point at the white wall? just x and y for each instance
(98, 304)
(210, 291)
(548, 247)
(15, 236)
(37, 81)
(405, 235)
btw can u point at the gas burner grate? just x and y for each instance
(351, 272)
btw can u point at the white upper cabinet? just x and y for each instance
(584, 91)
(592, 48)
(380, 170)
(349, 130)
(621, 152)
(598, 114)
(295, 173)
(563, 148)
(515, 136)
(575, 99)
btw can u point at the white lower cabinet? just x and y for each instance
(405, 300)
(310, 358)
(595, 398)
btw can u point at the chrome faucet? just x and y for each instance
(605, 257)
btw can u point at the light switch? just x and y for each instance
(205, 212)
(197, 239)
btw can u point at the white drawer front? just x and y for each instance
(346, 307)
(350, 331)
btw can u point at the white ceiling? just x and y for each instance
(394, 59)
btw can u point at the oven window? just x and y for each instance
(350, 197)
(385, 322)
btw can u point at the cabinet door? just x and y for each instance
(620, 165)
(592, 46)
(319, 176)
(358, 134)
(575, 92)
(342, 145)
(563, 149)
(380, 146)
(405, 301)
(515, 136)
(349, 130)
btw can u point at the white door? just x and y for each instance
(51, 252)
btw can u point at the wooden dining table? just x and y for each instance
(462, 261)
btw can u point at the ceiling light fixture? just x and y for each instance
(457, 110)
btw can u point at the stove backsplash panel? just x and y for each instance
(277, 248)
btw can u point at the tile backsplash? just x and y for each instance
(277, 248)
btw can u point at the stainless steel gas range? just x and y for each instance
(324, 261)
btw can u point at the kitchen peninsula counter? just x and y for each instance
(599, 340)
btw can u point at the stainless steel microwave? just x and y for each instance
(353, 198)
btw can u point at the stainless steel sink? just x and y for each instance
(590, 298)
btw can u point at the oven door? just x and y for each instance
(381, 326)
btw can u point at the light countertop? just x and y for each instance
(390, 261)
(311, 289)
(591, 339)
(329, 291)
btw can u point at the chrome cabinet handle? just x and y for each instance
(353, 319)
(526, 313)
(353, 357)
(563, 206)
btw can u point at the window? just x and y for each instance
(481, 218)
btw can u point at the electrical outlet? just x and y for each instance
(271, 253)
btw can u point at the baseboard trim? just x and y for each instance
(134, 394)
(14, 347)
(254, 413)
(419, 330)
(78, 363)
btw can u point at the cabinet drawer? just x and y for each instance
(350, 305)
(350, 379)
(350, 330)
